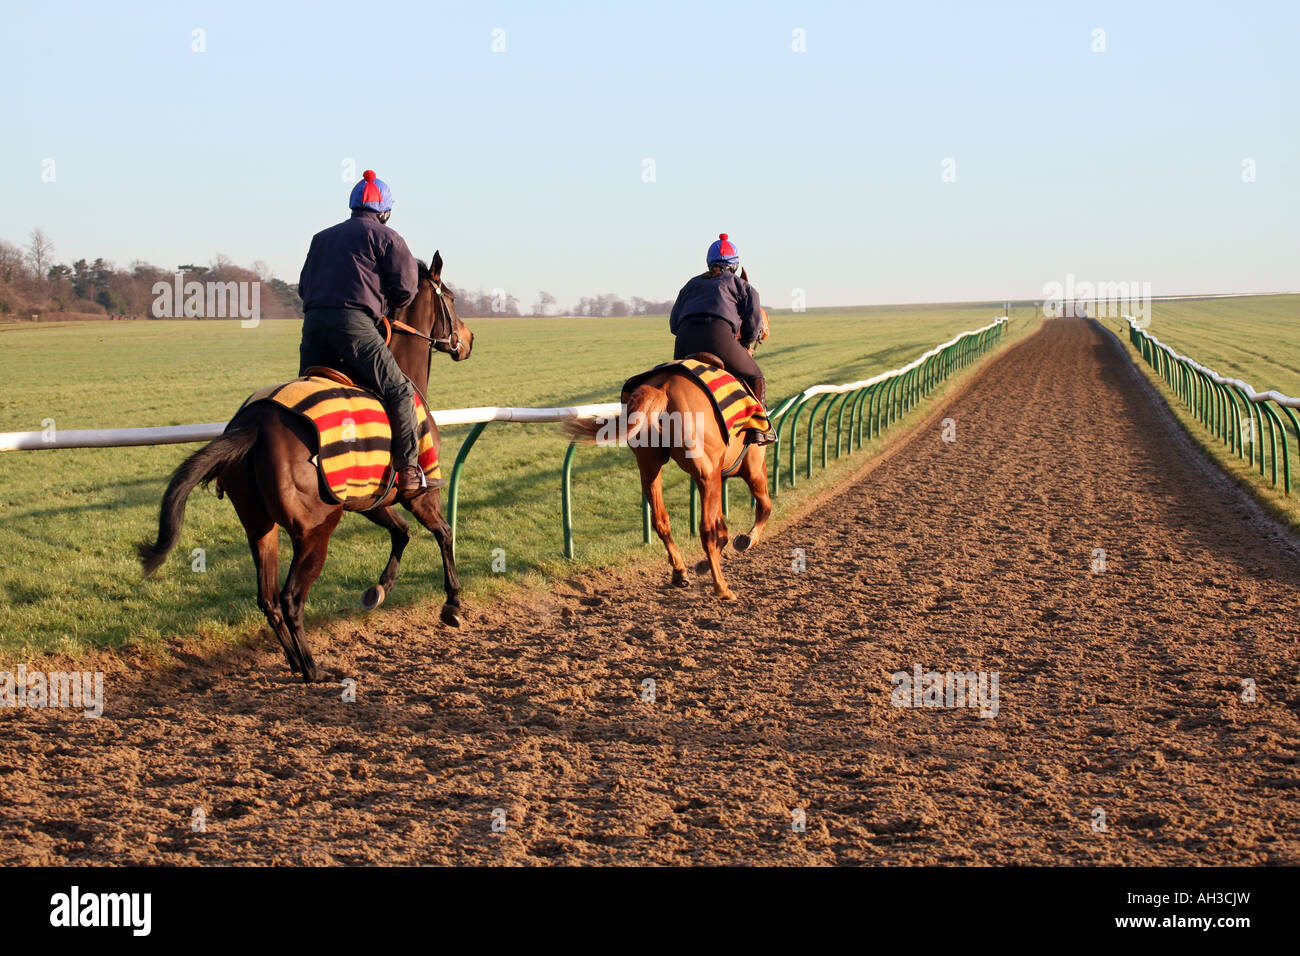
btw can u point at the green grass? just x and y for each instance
(1255, 339)
(69, 519)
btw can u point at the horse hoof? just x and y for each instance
(680, 580)
(725, 596)
(373, 597)
(743, 542)
(311, 675)
(450, 616)
(702, 566)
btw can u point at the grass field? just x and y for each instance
(1255, 339)
(69, 519)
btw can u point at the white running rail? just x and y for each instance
(1272, 395)
(175, 434)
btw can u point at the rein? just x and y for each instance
(452, 339)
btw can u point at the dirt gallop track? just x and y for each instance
(1120, 690)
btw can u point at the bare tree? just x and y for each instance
(611, 304)
(545, 301)
(11, 261)
(40, 252)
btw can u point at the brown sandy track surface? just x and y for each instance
(1119, 690)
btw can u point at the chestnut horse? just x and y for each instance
(264, 463)
(706, 455)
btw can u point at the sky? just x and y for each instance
(856, 152)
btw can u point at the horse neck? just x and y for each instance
(411, 351)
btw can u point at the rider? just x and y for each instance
(718, 312)
(356, 273)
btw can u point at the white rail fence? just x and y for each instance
(179, 434)
(1212, 399)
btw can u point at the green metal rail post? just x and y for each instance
(453, 487)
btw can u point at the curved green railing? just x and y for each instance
(1224, 406)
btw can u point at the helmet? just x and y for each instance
(371, 193)
(724, 253)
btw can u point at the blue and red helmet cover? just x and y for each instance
(723, 252)
(371, 193)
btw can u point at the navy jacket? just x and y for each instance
(724, 296)
(359, 264)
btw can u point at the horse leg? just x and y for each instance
(710, 485)
(399, 531)
(309, 549)
(722, 535)
(427, 509)
(754, 474)
(652, 486)
(266, 559)
(264, 541)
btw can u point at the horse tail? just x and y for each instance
(646, 399)
(650, 402)
(201, 467)
(584, 429)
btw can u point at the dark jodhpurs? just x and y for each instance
(348, 340)
(719, 338)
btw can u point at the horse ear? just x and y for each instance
(435, 266)
(743, 274)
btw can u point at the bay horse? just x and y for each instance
(264, 463)
(706, 455)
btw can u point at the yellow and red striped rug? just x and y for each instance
(355, 450)
(735, 407)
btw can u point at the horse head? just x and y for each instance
(427, 323)
(764, 328)
(437, 305)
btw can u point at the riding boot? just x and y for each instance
(410, 482)
(755, 436)
(413, 482)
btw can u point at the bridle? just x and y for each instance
(442, 314)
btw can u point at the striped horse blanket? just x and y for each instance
(735, 406)
(354, 451)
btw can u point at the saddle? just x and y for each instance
(334, 375)
(708, 358)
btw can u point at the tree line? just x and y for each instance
(34, 281)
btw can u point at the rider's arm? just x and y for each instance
(398, 273)
(751, 316)
(675, 317)
(304, 277)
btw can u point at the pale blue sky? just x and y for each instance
(525, 167)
